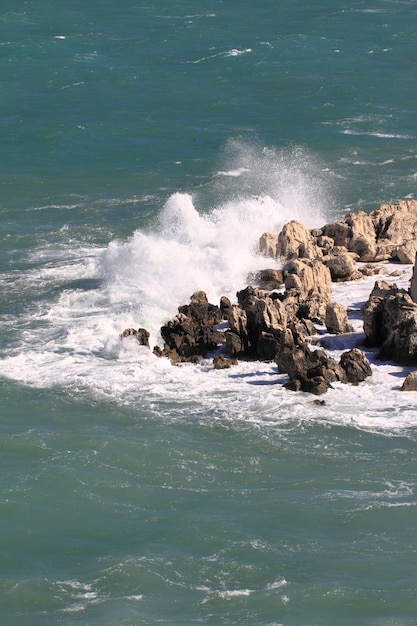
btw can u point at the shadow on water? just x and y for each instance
(259, 378)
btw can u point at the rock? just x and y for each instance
(295, 241)
(401, 344)
(356, 233)
(340, 264)
(200, 311)
(268, 279)
(257, 320)
(311, 371)
(390, 321)
(235, 346)
(192, 334)
(370, 269)
(362, 236)
(220, 362)
(356, 366)
(407, 252)
(268, 245)
(307, 277)
(141, 335)
(374, 324)
(395, 226)
(410, 382)
(336, 319)
(225, 307)
(267, 346)
(413, 283)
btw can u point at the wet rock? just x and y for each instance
(311, 371)
(356, 365)
(141, 335)
(410, 382)
(221, 362)
(268, 245)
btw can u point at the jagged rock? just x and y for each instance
(374, 324)
(390, 321)
(413, 283)
(401, 344)
(201, 311)
(255, 315)
(341, 264)
(356, 365)
(313, 308)
(267, 346)
(307, 277)
(220, 362)
(235, 345)
(295, 241)
(336, 319)
(356, 233)
(309, 370)
(192, 333)
(410, 382)
(406, 253)
(268, 279)
(268, 245)
(395, 226)
(225, 307)
(141, 335)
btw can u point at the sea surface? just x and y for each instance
(144, 149)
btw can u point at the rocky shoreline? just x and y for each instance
(278, 314)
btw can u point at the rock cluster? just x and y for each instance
(276, 315)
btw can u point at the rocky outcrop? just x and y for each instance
(410, 382)
(387, 234)
(141, 335)
(341, 264)
(413, 283)
(396, 230)
(308, 277)
(192, 334)
(390, 323)
(356, 366)
(295, 241)
(274, 320)
(336, 319)
(308, 370)
(386, 309)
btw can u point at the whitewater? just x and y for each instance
(71, 340)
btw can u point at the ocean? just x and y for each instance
(145, 149)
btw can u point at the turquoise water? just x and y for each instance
(144, 150)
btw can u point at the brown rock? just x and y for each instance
(356, 366)
(295, 241)
(410, 382)
(413, 284)
(336, 319)
(220, 362)
(268, 245)
(395, 226)
(141, 335)
(340, 264)
(268, 279)
(307, 277)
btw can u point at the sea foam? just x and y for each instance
(70, 337)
